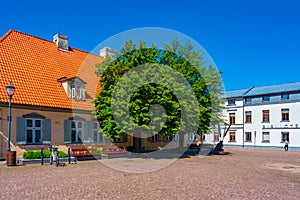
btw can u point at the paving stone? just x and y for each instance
(242, 174)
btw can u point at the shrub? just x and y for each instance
(37, 154)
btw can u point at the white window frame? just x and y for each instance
(263, 136)
(77, 90)
(78, 131)
(96, 134)
(34, 130)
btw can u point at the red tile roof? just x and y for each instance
(34, 65)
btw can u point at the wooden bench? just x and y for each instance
(81, 152)
(92, 151)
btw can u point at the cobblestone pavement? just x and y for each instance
(243, 174)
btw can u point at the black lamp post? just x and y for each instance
(10, 90)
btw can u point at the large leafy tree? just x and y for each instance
(181, 58)
(212, 77)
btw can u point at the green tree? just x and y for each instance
(179, 113)
(212, 77)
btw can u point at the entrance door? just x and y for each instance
(139, 143)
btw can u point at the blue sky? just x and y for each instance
(253, 42)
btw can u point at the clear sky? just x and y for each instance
(253, 42)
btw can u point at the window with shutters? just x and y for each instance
(76, 131)
(97, 136)
(33, 129)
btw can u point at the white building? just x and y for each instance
(261, 117)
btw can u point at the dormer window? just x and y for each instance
(76, 90)
(74, 87)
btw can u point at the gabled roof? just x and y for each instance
(34, 66)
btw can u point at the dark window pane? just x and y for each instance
(266, 98)
(37, 136)
(29, 123)
(73, 124)
(38, 123)
(29, 136)
(73, 136)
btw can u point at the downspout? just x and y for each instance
(243, 122)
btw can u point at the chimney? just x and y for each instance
(106, 51)
(61, 41)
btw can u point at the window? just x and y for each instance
(154, 138)
(192, 137)
(216, 136)
(76, 88)
(248, 116)
(248, 136)
(98, 136)
(33, 131)
(231, 136)
(168, 138)
(285, 136)
(76, 131)
(285, 114)
(232, 118)
(119, 140)
(231, 101)
(285, 96)
(265, 137)
(265, 98)
(248, 101)
(266, 115)
(76, 91)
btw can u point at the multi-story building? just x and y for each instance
(261, 117)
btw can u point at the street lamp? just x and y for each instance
(10, 90)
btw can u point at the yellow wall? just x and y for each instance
(57, 128)
(57, 132)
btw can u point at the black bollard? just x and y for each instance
(69, 155)
(42, 155)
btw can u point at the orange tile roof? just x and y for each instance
(34, 65)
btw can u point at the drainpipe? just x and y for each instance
(243, 122)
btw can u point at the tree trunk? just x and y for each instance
(181, 139)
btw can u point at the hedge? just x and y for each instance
(37, 154)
